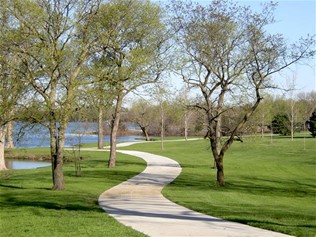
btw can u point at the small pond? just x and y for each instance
(25, 164)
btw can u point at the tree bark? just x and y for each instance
(9, 133)
(114, 129)
(220, 171)
(57, 141)
(2, 138)
(100, 128)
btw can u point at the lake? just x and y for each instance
(25, 164)
(38, 136)
(76, 133)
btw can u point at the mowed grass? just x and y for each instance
(268, 185)
(30, 208)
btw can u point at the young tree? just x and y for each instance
(230, 57)
(53, 39)
(291, 87)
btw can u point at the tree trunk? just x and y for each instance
(57, 141)
(220, 171)
(100, 128)
(162, 126)
(114, 129)
(2, 138)
(9, 139)
(185, 125)
(145, 133)
(218, 159)
(58, 172)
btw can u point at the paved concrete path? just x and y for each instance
(138, 203)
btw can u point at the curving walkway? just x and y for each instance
(138, 203)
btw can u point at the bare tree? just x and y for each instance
(230, 58)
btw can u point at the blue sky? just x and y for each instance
(294, 19)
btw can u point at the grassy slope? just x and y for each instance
(268, 185)
(30, 208)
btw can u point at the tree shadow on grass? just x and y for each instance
(287, 228)
(11, 186)
(35, 200)
(274, 187)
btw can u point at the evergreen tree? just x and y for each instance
(311, 124)
(281, 124)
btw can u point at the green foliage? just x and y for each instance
(281, 124)
(30, 208)
(268, 185)
(312, 124)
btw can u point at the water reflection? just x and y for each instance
(25, 164)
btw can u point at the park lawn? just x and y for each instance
(30, 208)
(268, 185)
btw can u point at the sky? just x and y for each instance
(294, 19)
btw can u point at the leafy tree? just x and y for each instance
(230, 59)
(53, 39)
(131, 46)
(142, 114)
(12, 89)
(306, 104)
(281, 124)
(311, 124)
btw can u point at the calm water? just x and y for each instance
(25, 164)
(38, 135)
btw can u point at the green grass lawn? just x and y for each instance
(268, 185)
(30, 208)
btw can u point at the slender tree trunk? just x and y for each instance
(186, 125)
(262, 126)
(100, 128)
(114, 129)
(292, 119)
(162, 127)
(9, 132)
(2, 138)
(186, 117)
